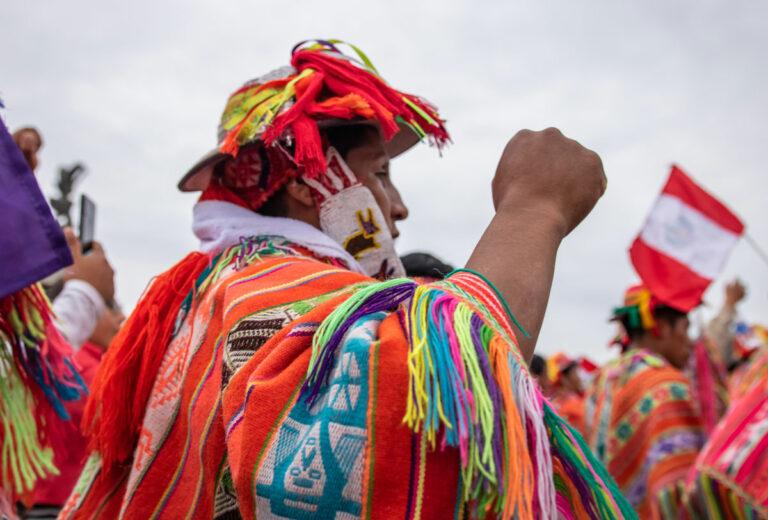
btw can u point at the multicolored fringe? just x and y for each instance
(585, 471)
(36, 379)
(470, 389)
(715, 496)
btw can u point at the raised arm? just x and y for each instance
(545, 184)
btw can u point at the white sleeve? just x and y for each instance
(78, 308)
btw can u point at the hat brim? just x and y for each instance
(199, 176)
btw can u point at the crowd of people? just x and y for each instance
(294, 366)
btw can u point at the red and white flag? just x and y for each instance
(684, 243)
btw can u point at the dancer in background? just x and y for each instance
(640, 417)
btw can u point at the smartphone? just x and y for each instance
(87, 222)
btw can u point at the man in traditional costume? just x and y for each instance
(640, 418)
(284, 371)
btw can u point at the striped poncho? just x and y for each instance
(730, 479)
(641, 422)
(293, 388)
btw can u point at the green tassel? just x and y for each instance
(560, 440)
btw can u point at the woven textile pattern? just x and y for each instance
(730, 479)
(641, 422)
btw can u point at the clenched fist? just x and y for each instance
(550, 175)
(544, 186)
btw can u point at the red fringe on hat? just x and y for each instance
(349, 92)
(115, 411)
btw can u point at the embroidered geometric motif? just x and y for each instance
(314, 466)
(165, 398)
(678, 391)
(624, 431)
(249, 335)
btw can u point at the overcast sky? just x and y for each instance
(135, 90)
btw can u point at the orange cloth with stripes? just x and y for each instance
(220, 391)
(641, 422)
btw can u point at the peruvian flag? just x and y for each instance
(684, 243)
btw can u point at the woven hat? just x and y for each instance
(322, 87)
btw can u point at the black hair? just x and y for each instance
(347, 137)
(571, 366)
(538, 365)
(424, 264)
(663, 313)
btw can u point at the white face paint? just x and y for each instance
(350, 215)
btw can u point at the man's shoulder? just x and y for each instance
(645, 373)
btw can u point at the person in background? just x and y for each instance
(716, 357)
(29, 141)
(566, 390)
(89, 286)
(730, 475)
(38, 376)
(538, 368)
(640, 418)
(720, 330)
(87, 294)
(288, 370)
(51, 494)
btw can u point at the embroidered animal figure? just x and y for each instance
(365, 238)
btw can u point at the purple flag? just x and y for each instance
(32, 245)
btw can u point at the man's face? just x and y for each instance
(370, 163)
(674, 343)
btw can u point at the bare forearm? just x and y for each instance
(517, 254)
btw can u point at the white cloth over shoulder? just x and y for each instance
(219, 224)
(78, 308)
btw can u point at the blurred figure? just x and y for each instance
(640, 419)
(752, 342)
(538, 368)
(716, 355)
(38, 377)
(89, 290)
(729, 477)
(565, 389)
(29, 141)
(721, 328)
(51, 493)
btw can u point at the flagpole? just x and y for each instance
(756, 247)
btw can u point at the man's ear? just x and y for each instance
(300, 193)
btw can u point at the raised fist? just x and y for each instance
(734, 293)
(549, 175)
